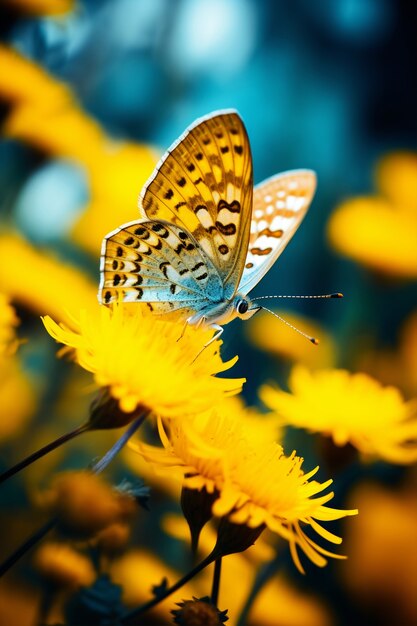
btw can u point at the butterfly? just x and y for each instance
(205, 236)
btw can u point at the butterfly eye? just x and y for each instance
(242, 306)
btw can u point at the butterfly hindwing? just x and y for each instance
(279, 205)
(204, 185)
(157, 262)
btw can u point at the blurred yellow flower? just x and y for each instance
(396, 178)
(40, 7)
(117, 175)
(381, 571)
(64, 566)
(8, 323)
(267, 333)
(47, 115)
(17, 397)
(84, 503)
(380, 231)
(350, 408)
(124, 572)
(42, 282)
(139, 359)
(256, 483)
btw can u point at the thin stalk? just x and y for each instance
(160, 597)
(43, 451)
(96, 469)
(216, 581)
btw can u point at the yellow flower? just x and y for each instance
(124, 572)
(85, 504)
(63, 566)
(116, 174)
(17, 398)
(350, 408)
(380, 231)
(41, 7)
(46, 114)
(256, 483)
(8, 323)
(139, 359)
(269, 334)
(41, 282)
(382, 567)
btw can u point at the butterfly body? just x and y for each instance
(205, 236)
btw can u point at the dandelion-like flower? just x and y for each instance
(255, 483)
(380, 231)
(350, 408)
(139, 360)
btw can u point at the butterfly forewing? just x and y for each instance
(157, 262)
(279, 205)
(204, 185)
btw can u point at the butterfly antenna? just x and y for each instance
(326, 295)
(297, 330)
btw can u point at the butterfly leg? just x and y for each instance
(183, 330)
(219, 332)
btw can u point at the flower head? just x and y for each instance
(17, 398)
(41, 282)
(350, 408)
(256, 484)
(64, 566)
(379, 231)
(139, 359)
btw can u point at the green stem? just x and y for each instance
(42, 452)
(182, 581)
(96, 469)
(216, 581)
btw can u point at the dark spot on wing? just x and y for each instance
(129, 241)
(233, 207)
(163, 267)
(169, 194)
(182, 235)
(107, 297)
(191, 167)
(200, 207)
(119, 251)
(249, 266)
(141, 232)
(202, 276)
(139, 292)
(200, 264)
(199, 156)
(172, 288)
(277, 234)
(116, 279)
(115, 265)
(181, 182)
(138, 281)
(238, 149)
(226, 229)
(224, 149)
(198, 181)
(223, 249)
(206, 141)
(260, 251)
(184, 271)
